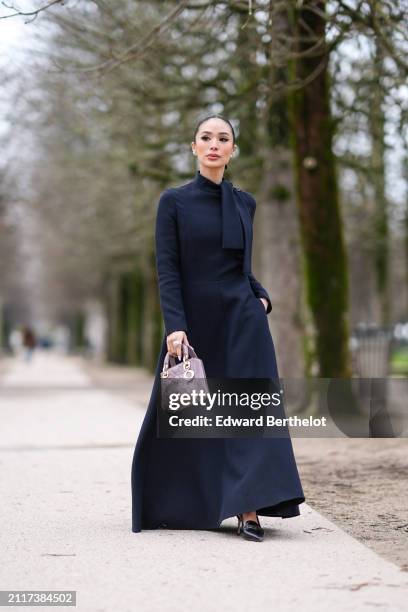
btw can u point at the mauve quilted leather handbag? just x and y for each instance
(182, 377)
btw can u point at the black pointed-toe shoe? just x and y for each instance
(251, 530)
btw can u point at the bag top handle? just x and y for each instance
(188, 351)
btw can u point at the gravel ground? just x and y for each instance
(361, 485)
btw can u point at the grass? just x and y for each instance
(399, 361)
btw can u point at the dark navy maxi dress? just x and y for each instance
(207, 289)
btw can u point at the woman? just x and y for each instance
(211, 300)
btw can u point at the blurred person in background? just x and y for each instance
(29, 342)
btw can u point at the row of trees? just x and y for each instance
(107, 102)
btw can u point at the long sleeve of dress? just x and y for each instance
(168, 264)
(257, 288)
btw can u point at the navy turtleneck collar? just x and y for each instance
(203, 182)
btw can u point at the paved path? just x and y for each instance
(66, 447)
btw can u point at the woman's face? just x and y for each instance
(213, 143)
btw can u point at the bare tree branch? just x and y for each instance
(33, 14)
(138, 49)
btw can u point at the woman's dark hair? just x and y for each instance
(215, 117)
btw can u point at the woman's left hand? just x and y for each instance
(264, 302)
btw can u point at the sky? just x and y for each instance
(16, 36)
(12, 33)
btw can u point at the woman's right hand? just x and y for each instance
(174, 342)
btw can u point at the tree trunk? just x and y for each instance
(325, 264)
(134, 317)
(381, 247)
(276, 223)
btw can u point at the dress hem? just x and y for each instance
(284, 510)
